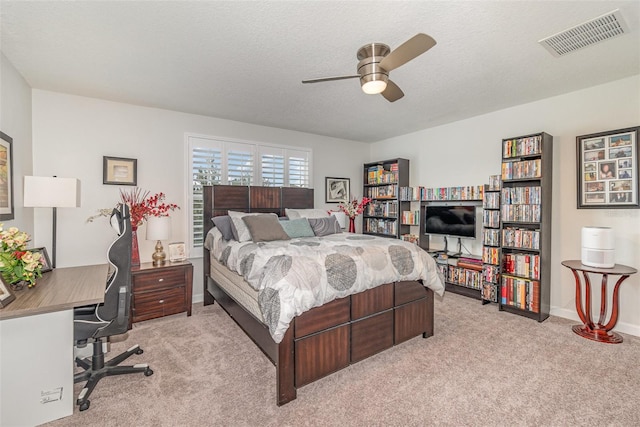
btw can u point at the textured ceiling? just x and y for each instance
(244, 60)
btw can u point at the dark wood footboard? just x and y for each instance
(331, 337)
(327, 338)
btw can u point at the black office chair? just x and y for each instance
(95, 322)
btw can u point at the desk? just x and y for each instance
(36, 349)
(601, 331)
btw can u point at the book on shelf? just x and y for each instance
(521, 238)
(413, 238)
(520, 293)
(491, 273)
(521, 169)
(470, 266)
(410, 217)
(491, 255)
(518, 147)
(494, 182)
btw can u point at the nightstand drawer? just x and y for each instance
(152, 281)
(150, 305)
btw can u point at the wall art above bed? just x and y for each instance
(336, 190)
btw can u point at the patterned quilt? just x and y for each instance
(296, 275)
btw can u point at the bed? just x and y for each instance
(325, 338)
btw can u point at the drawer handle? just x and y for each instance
(161, 301)
(160, 280)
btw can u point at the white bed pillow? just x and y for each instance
(306, 213)
(242, 233)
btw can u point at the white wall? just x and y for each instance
(15, 121)
(468, 151)
(72, 133)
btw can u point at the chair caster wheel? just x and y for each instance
(148, 372)
(85, 405)
(139, 351)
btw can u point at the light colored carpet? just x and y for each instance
(482, 368)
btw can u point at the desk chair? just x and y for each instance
(95, 322)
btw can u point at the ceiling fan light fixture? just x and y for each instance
(373, 84)
(374, 87)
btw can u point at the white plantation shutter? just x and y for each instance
(272, 168)
(220, 161)
(298, 168)
(206, 169)
(240, 163)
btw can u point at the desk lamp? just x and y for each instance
(51, 192)
(158, 228)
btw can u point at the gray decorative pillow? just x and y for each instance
(297, 227)
(240, 230)
(223, 224)
(265, 228)
(325, 226)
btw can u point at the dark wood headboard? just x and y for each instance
(218, 199)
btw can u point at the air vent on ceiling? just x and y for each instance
(591, 32)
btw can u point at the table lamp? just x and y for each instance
(51, 192)
(158, 228)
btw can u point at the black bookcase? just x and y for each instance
(491, 238)
(525, 213)
(382, 181)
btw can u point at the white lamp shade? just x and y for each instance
(341, 217)
(158, 228)
(51, 192)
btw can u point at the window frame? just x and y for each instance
(257, 149)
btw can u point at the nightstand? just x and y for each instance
(160, 291)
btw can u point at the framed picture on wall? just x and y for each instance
(119, 171)
(6, 177)
(337, 190)
(608, 169)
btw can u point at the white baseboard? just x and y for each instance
(625, 328)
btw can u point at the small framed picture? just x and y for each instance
(6, 296)
(177, 252)
(608, 169)
(44, 257)
(6, 177)
(119, 171)
(337, 190)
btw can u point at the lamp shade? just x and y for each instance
(51, 192)
(341, 217)
(158, 228)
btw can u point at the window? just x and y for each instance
(219, 161)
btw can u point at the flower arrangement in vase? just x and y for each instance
(142, 205)
(17, 264)
(352, 209)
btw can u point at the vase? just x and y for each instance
(135, 253)
(352, 225)
(18, 286)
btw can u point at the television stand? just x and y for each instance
(462, 274)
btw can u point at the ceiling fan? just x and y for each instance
(377, 60)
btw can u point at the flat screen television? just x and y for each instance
(455, 220)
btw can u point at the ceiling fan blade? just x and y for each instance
(392, 93)
(328, 79)
(415, 46)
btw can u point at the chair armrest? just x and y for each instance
(122, 304)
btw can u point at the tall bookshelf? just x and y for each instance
(491, 238)
(525, 214)
(382, 183)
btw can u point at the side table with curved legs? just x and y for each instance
(600, 331)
